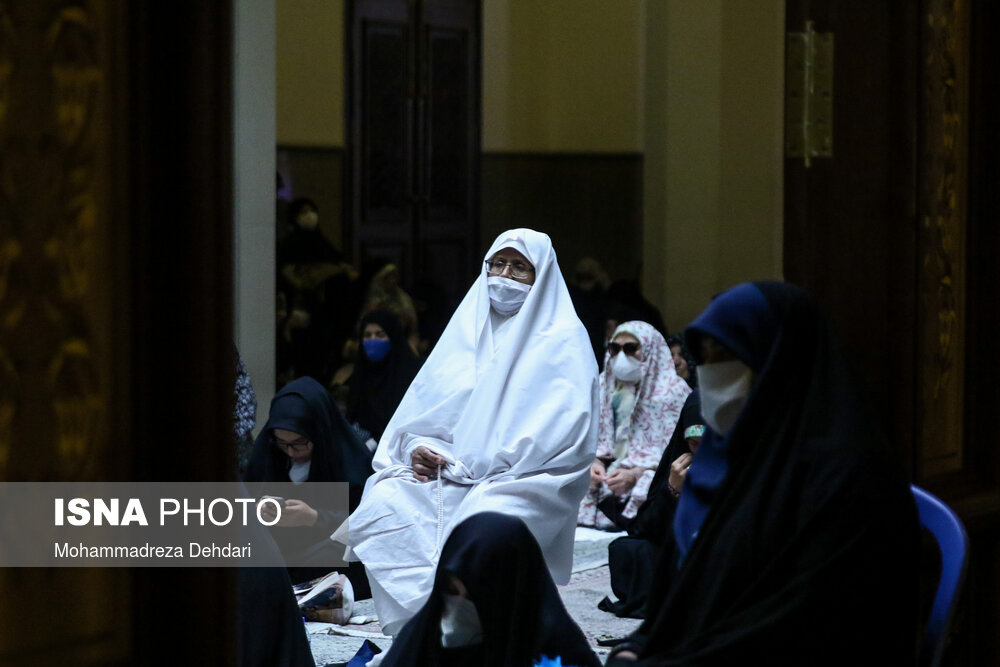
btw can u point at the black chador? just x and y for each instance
(521, 617)
(795, 537)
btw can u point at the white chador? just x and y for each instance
(511, 403)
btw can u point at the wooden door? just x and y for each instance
(449, 146)
(413, 128)
(381, 126)
(895, 233)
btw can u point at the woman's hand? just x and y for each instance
(597, 473)
(425, 464)
(678, 471)
(622, 480)
(293, 513)
(297, 513)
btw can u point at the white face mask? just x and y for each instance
(625, 368)
(309, 220)
(460, 624)
(725, 387)
(506, 295)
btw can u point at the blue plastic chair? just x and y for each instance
(952, 541)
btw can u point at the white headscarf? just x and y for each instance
(525, 407)
(640, 437)
(511, 403)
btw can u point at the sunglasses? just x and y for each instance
(630, 348)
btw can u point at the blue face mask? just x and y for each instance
(377, 348)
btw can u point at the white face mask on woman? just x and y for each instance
(506, 295)
(308, 220)
(625, 367)
(724, 388)
(460, 624)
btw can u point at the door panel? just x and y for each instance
(896, 236)
(386, 119)
(415, 137)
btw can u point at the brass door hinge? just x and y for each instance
(809, 94)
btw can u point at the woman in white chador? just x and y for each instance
(505, 409)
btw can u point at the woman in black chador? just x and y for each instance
(493, 603)
(795, 538)
(383, 372)
(307, 440)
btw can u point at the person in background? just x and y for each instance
(316, 284)
(384, 293)
(307, 440)
(269, 628)
(493, 603)
(641, 400)
(684, 362)
(431, 302)
(588, 291)
(796, 538)
(632, 560)
(615, 314)
(626, 292)
(384, 370)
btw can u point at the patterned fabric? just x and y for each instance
(696, 431)
(622, 405)
(639, 442)
(244, 413)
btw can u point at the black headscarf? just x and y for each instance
(807, 553)
(523, 618)
(303, 406)
(377, 387)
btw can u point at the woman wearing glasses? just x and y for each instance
(501, 417)
(641, 401)
(307, 440)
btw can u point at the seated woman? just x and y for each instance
(641, 399)
(384, 370)
(502, 416)
(384, 293)
(632, 560)
(307, 440)
(796, 537)
(684, 362)
(493, 603)
(315, 286)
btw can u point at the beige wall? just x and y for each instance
(713, 162)
(558, 75)
(253, 184)
(562, 76)
(696, 86)
(310, 72)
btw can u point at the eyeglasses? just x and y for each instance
(299, 445)
(630, 348)
(518, 269)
